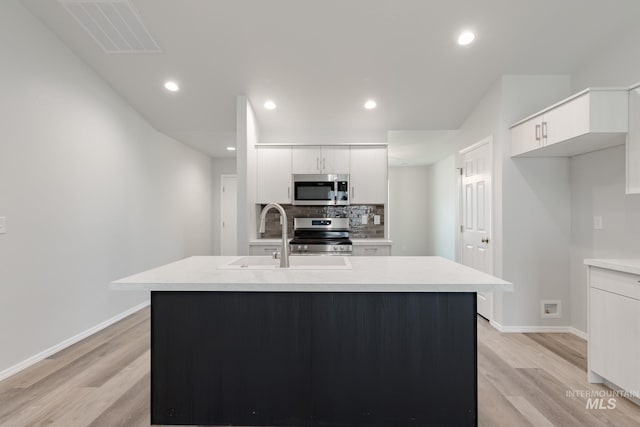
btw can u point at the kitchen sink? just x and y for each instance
(295, 263)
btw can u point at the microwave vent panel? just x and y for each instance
(115, 25)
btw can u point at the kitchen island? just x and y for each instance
(389, 342)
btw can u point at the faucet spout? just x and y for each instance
(284, 254)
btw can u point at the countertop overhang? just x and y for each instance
(631, 265)
(368, 274)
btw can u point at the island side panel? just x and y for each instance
(394, 359)
(314, 359)
(229, 358)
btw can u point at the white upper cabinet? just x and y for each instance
(633, 142)
(320, 159)
(335, 159)
(306, 159)
(274, 174)
(590, 120)
(526, 136)
(368, 175)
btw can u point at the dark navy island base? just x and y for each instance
(325, 359)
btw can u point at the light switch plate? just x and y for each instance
(376, 219)
(363, 220)
(3, 224)
(597, 223)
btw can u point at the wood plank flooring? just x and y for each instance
(523, 380)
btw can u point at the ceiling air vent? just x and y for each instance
(114, 24)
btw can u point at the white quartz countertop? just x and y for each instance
(625, 265)
(368, 274)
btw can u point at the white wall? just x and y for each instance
(616, 64)
(597, 188)
(90, 190)
(219, 167)
(441, 187)
(246, 166)
(531, 207)
(535, 211)
(597, 179)
(409, 210)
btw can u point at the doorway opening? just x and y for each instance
(229, 215)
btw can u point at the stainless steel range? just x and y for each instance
(321, 236)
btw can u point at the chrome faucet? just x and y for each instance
(284, 254)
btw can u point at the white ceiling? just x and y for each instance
(320, 60)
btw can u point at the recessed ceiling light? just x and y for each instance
(231, 148)
(171, 86)
(370, 104)
(270, 105)
(465, 38)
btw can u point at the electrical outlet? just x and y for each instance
(364, 219)
(376, 219)
(3, 224)
(597, 223)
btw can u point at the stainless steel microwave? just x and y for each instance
(329, 189)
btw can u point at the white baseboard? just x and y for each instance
(579, 333)
(538, 329)
(68, 342)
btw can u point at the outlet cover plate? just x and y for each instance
(597, 222)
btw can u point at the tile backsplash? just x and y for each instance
(353, 212)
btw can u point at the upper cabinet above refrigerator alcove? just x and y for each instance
(590, 120)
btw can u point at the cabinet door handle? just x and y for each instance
(544, 130)
(537, 132)
(353, 192)
(323, 166)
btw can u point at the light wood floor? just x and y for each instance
(523, 380)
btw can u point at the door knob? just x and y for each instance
(485, 240)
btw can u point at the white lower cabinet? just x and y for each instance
(264, 250)
(614, 328)
(371, 250)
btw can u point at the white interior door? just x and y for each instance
(229, 215)
(476, 216)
